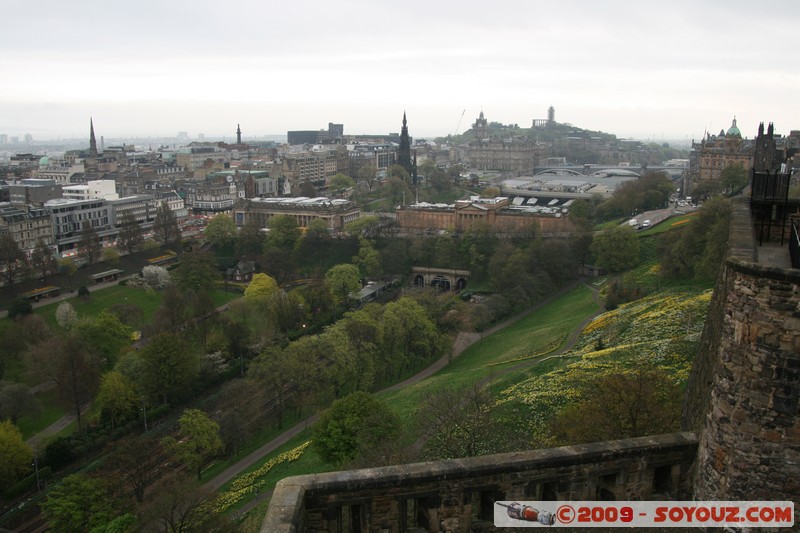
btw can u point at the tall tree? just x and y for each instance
(367, 174)
(269, 371)
(117, 396)
(136, 461)
(89, 244)
(104, 335)
(165, 226)
(169, 367)
(250, 240)
(198, 441)
(343, 280)
(12, 260)
(197, 271)
(17, 455)
(220, 230)
(79, 503)
(340, 182)
(131, 235)
(734, 176)
(43, 261)
(74, 370)
(616, 249)
(283, 232)
(173, 313)
(409, 335)
(313, 248)
(368, 259)
(353, 424)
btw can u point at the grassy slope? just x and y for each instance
(543, 330)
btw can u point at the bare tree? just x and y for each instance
(165, 226)
(136, 461)
(12, 260)
(89, 244)
(73, 369)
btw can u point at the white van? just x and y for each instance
(646, 224)
(633, 222)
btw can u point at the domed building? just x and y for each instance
(715, 152)
(733, 131)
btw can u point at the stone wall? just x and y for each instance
(459, 495)
(748, 380)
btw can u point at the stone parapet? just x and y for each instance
(459, 494)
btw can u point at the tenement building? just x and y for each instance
(741, 422)
(26, 224)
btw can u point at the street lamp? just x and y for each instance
(144, 411)
(36, 468)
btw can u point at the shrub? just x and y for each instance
(156, 277)
(83, 291)
(19, 307)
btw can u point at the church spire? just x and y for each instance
(92, 140)
(404, 152)
(238, 134)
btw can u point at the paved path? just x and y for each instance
(462, 342)
(55, 427)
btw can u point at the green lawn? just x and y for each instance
(538, 332)
(98, 301)
(50, 412)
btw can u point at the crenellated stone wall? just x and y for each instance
(744, 389)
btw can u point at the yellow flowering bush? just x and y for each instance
(249, 483)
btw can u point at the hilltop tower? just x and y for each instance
(481, 127)
(551, 115)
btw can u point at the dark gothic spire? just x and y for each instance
(238, 134)
(404, 152)
(92, 140)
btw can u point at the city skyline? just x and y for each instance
(154, 69)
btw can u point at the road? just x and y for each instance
(657, 216)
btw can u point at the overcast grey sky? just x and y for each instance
(650, 70)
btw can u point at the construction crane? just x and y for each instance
(459, 122)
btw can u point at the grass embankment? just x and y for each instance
(534, 336)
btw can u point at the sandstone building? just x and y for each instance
(500, 214)
(335, 213)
